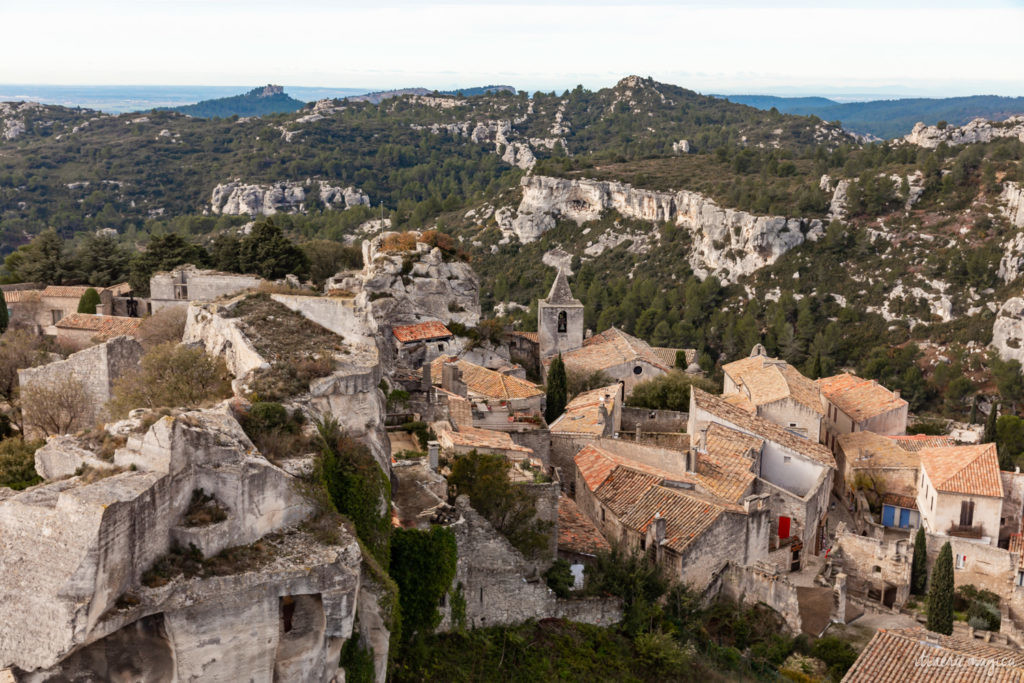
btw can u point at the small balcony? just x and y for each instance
(973, 531)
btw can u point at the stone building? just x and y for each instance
(794, 471)
(498, 401)
(853, 404)
(41, 309)
(670, 516)
(620, 356)
(95, 368)
(579, 541)
(188, 283)
(559, 319)
(79, 330)
(597, 413)
(775, 390)
(420, 343)
(960, 492)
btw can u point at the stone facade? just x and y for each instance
(876, 570)
(559, 319)
(97, 368)
(188, 283)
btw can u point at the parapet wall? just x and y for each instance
(756, 584)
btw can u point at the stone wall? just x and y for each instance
(985, 566)
(675, 441)
(339, 315)
(873, 564)
(1013, 505)
(200, 285)
(97, 368)
(760, 583)
(653, 420)
(538, 440)
(221, 336)
(496, 581)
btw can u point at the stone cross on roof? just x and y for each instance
(560, 292)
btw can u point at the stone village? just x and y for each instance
(802, 495)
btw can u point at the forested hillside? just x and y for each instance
(897, 274)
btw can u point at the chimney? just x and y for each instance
(432, 452)
(896, 395)
(602, 409)
(703, 444)
(588, 334)
(659, 529)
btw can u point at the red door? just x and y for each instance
(783, 527)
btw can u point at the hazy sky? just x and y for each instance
(733, 46)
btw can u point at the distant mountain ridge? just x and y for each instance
(890, 118)
(381, 95)
(269, 99)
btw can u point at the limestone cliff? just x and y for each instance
(727, 243)
(79, 605)
(1008, 330)
(406, 280)
(978, 130)
(235, 198)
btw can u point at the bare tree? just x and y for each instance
(61, 406)
(167, 324)
(18, 350)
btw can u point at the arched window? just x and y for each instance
(563, 322)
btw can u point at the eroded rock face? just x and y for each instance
(1008, 330)
(1011, 265)
(236, 198)
(1012, 197)
(978, 130)
(403, 286)
(727, 243)
(72, 552)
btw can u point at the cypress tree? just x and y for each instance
(973, 419)
(940, 594)
(919, 568)
(990, 424)
(89, 301)
(5, 318)
(556, 398)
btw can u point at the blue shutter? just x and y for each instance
(904, 518)
(888, 512)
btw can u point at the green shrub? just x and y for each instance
(423, 565)
(88, 302)
(837, 654)
(357, 661)
(18, 463)
(559, 578)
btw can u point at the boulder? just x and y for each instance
(1008, 330)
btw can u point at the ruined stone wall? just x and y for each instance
(205, 324)
(871, 563)
(675, 441)
(734, 537)
(759, 583)
(1013, 504)
(97, 368)
(985, 566)
(653, 420)
(538, 440)
(201, 286)
(339, 315)
(545, 498)
(564, 448)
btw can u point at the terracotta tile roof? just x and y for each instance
(916, 442)
(18, 296)
(861, 399)
(530, 336)
(899, 500)
(460, 410)
(686, 516)
(583, 414)
(482, 439)
(105, 326)
(766, 380)
(624, 487)
(917, 656)
(576, 533)
(69, 292)
(972, 470)
(725, 468)
(595, 464)
(668, 356)
(608, 349)
(1017, 546)
(867, 450)
(485, 383)
(769, 431)
(120, 289)
(420, 332)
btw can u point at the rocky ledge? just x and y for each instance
(236, 198)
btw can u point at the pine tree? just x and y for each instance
(990, 424)
(556, 398)
(919, 567)
(940, 594)
(89, 301)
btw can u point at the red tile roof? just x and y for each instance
(583, 414)
(861, 399)
(420, 332)
(595, 464)
(608, 349)
(105, 326)
(917, 656)
(767, 430)
(686, 516)
(576, 533)
(970, 470)
(726, 468)
(763, 380)
(485, 383)
(68, 292)
(916, 442)
(18, 296)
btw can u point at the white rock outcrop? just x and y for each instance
(1011, 265)
(402, 285)
(75, 553)
(978, 130)
(727, 243)
(236, 198)
(497, 132)
(1012, 198)
(1008, 330)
